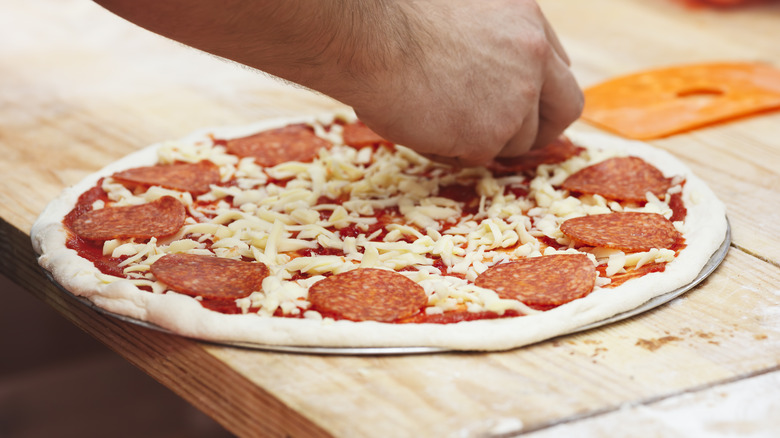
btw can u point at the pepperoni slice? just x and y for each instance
(367, 295)
(210, 277)
(161, 217)
(186, 177)
(290, 143)
(620, 179)
(558, 151)
(358, 135)
(542, 282)
(626, 231)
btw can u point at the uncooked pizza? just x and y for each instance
(316, 232)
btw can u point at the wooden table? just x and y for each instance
(80, 88)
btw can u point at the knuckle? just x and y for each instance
(538, 45)
(577, 104)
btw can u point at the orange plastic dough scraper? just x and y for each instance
(659, 103)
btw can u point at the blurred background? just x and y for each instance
(57, 381)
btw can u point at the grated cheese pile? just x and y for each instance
(273, 215)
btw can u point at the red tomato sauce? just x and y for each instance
(464, 193)
(619, 279)
(455, 316)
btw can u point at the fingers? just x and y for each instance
(525, 137)
(552, 37)
(452, 161)
(560, 103)
(491, 100)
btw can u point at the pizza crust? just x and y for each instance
(706, 229)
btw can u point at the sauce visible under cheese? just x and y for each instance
(376, 207)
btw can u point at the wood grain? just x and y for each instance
(742, 408)
(81, 88)
(724, 329)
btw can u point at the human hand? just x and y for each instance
(476, 80)
(461, 81)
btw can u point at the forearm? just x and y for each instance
(317, 44)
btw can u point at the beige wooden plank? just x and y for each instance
(727, 329)
(754, 212)
(746, 408)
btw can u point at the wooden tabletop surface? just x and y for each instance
(80, 88)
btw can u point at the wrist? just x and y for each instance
(369, 43)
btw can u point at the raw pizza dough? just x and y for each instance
(704, 230)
